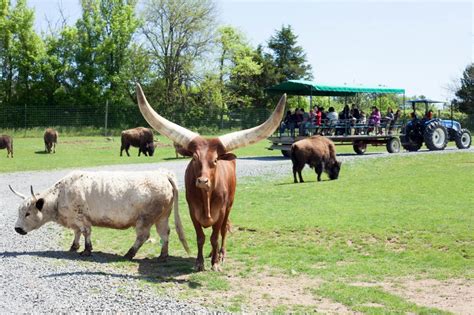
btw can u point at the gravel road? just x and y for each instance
(37, 275)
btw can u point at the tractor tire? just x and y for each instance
(393, 145)
(411, 139)
(359, 147)
(463, 139)
(435, 136)
(286, 153)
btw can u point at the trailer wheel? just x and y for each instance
(436, 136)
(393, 145)
(285, 153)
(360, 147)
(463, 139)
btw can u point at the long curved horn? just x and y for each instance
(171, 130)
(238, 139)
(32, 192)
(17, 193)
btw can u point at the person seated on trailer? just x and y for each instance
(286, 122)
(397, 115)
(374, 120)
(345, 117)
(388, 118)
(305, 123)
(332, 118)
(355, 113)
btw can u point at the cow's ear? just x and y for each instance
(227, 156)
(39, 204)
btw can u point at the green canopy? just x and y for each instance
(303, 87)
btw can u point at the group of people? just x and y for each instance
(324, 122)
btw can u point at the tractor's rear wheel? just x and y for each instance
(393, 145)
(463, 139)
(435, 136)
(359, 147)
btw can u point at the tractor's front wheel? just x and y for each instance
(463, 139)
(435, 136)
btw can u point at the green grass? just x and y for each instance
(385, 218)
(75, 152)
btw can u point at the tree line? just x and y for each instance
(190, 68)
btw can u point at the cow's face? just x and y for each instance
(333, 170)
(205, 160)
(30, 215)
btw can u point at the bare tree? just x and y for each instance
(178, 33)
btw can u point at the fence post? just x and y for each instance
(106, 116)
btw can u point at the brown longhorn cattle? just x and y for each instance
(50, 139)
(6, 142)
(319, 153)
(139, 137)
(210, 177)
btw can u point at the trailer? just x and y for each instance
(344, 132)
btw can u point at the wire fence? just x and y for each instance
(110, 119)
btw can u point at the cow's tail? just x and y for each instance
(177, 218)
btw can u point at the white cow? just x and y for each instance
(116, 200)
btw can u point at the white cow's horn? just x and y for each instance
(238, 139)
(17, 193)
(32, 192)
(167, 128)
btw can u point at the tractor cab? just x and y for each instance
(434, 132)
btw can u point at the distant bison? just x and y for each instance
(319, 153)
(117, 200)
(141, 138)
(50, 139)
(6, 142)
(180, 150)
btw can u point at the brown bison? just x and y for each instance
(50, 139)
(319, 153)
(180, 150)
(210, 178)
(6, 142)
(141, 138)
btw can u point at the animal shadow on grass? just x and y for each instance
(150, 270)
(41, 152)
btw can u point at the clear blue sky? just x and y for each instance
(419, 46)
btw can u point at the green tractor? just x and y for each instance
(434, 132)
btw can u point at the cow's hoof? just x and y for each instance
(74, 248)
(130, 254)
(85, 253)
(163, 258)
(199, 266)
(216, 268)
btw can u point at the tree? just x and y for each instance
(179, 34)
(289, 58)
(466, 91)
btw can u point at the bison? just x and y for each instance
(116, 200)
(319, 153)
(50, 139)
(179, 150)
(210, 177)
(141, 138)
(6, 142)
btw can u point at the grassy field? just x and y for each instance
(368, 242)
(75, 152)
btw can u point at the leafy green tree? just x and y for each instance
(289, 58)
(466, 91)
